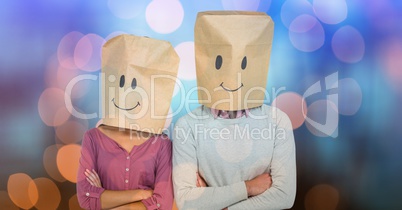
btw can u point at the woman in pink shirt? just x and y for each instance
(135, 171)
(126, 163)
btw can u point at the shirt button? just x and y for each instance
(126, 181)
(158, 205)
(87, 194)
(128, 157)
(127, 169)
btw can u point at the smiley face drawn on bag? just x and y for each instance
(138, 76)
(232, 54)
(218, 65)
(133, 86)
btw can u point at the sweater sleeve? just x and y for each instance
(187, 194)
(162, 197)
(88, 195)
(282, 193)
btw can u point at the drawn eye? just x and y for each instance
(218, 62)
(244, 63)
(122, 81)
(134, 83)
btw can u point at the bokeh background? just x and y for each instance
(337, 63)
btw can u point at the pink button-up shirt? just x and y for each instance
(147, 166)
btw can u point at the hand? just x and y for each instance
(146, 194)
(200, 181)
(141, 194)
(93, 178)
(259, 184)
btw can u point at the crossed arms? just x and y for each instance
(256, 193)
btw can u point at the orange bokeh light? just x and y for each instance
(174, 206)
(48, 194)
(68, 158)
(21, 192)
(321, 196)
(73, 203)
(6, 202)
(50, 164)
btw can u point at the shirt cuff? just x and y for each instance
(240, 190)
(95, 192)
(151, 203)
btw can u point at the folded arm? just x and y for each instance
(162, 197)
(92, 196)
(187, 194)
(124, 199)
(282, 193)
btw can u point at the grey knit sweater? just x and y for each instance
(227, 152)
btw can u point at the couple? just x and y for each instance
(233, 152)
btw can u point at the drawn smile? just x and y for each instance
(230, 89)
(126, 109)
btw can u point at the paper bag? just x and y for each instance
(232, 51)
(139, 75)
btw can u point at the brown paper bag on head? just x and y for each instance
(232, 52)
(139, 75)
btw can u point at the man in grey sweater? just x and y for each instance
(233, 152)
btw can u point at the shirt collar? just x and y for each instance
(225, 114)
